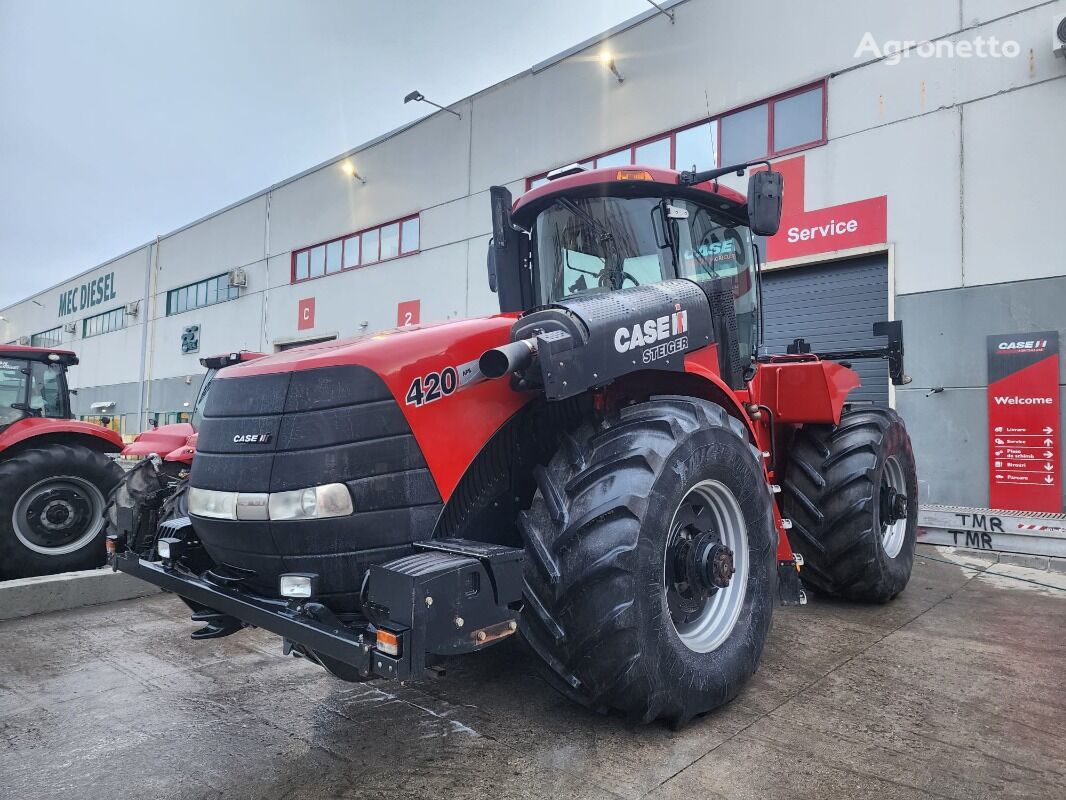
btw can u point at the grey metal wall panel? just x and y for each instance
(948, 328)
(832, 306)
(945, 332)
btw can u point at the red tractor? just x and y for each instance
(54, 470)
(611, 466)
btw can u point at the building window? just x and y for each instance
(204, 293)
(103, 323)
(49, 338)
(783, 124)
(744, 135)
(409, 235)
(799, 119)
(696, 148)
(359, 249)
(653, 154)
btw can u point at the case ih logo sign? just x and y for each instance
(660, 329)
(1023, 422)
(823, 230)
(251, 438)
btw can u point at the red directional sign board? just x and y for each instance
(1024, 459)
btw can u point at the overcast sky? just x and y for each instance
(123, 120)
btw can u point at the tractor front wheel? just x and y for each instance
(52, 510)
(651, 569)
(851, 491)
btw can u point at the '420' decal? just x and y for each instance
(433, 386)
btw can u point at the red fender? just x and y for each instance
(33, 427)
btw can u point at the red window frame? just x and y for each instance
(399, 222)
(716, 120)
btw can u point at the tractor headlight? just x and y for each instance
(209, 503)
(298, 585)
(316, 502)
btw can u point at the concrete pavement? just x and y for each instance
(953, 690)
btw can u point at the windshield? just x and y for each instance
(201, 399)
(600, 244)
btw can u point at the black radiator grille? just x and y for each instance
(329, 425)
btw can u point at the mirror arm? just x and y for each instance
(691, 178)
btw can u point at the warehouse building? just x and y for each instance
(922, 150)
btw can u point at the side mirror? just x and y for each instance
(503, 235)
(506, 253)
(502, 231)
(764, 202)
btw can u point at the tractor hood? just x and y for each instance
(160, 441)
(384, 351)
(431, 371)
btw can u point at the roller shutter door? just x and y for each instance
(833, 306)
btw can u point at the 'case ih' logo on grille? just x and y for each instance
(651, 331)
(251, 438)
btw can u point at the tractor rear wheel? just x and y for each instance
(52, 510)
(651, 569)
(851, 491)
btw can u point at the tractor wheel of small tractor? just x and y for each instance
(851, 492)
(52, 510)
(651, 568)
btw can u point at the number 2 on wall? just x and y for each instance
(427, 388)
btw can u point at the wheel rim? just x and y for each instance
(893, 507)
(58, 515)
(708, 538)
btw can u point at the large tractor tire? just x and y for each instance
(634, 532)
(851, 492)
(52, 510)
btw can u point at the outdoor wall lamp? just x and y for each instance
(418, 97)
(349, 169)
(607, 59)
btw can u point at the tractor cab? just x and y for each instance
(591, 232)
(33, 383)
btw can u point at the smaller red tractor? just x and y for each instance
(175, 444)
(153, 490)
(54, 470)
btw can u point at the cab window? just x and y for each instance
(46, 390)
(12, 390)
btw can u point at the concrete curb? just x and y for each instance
(24, 597)
(983, 558)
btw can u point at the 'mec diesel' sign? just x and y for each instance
(89, 294)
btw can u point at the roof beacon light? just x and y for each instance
(633, 175)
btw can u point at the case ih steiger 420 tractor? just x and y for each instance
(54, 471)
(610, 467)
